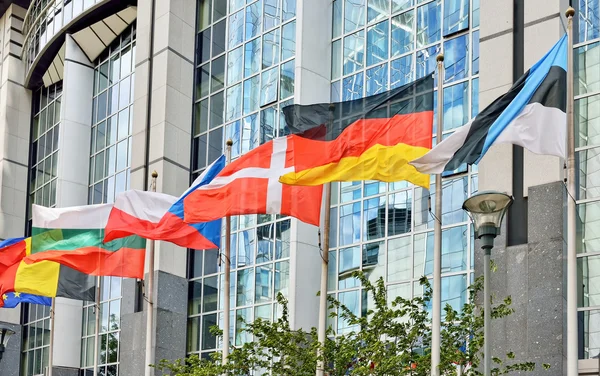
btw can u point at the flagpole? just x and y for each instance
(97, 326)
(324, 270)
(437, 245)
(572, 332)
(51, 348)
(227, 276)
(150, 296)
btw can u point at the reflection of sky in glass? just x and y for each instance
(350, 224)
(377, 43)
(589, 20)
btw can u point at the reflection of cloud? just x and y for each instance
(455, 116)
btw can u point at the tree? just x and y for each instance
(391, 338)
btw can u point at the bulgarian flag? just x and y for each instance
(74, 237)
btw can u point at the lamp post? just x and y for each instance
(486, 210)
(5, 333)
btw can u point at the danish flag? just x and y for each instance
(250, 185)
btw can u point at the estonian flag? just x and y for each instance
(532, 114)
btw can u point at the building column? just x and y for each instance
(312, 85)
(15, 125)
(163, 81)
(72, 189)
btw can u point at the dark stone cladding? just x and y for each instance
(533, 275)
(11, 359)
(170, 324)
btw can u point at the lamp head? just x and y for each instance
(487, 210)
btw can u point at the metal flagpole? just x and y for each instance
(51, 348)
(437, 245)
(324, 276)
(322, 333)
(97, 327)
(150, 297)
(572, 332)
(227, 276)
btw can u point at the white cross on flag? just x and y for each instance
(250, 185)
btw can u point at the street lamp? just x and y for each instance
(486, 210)
(5, 333)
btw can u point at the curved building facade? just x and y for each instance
(97, 94)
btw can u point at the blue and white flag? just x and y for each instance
(532, 114)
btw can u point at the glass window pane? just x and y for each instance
(245, 287)
(282, 278)
(252, 57)
(337, 18)
(456, 15)
(201, 117)
(271, 14)
(264, 283)
(588, 280)
(288, 40)
(218, 36)
(288, 9)
(456, 106)
(589, 20)
(332, 271)
(268, 90)
(403, 32)
(235, 5)
(349, 224)
(589, 338)
(202, 81)
(350, 299)
(374, 218)
(251, 94)
(215, 144)
(268, 119)
(243, 317)
(456, 58)
(587, 69)
(234, 66)
(217, 109)
(399, 213)
(373, 260)
(426, 61)
(203, 46)
(236, 29)
(204, 10)
(208, 340)
(220, 10)
(246, 248)
(475, 98)
(377, 43)
(588, 173)
(217, 74)
(399, 254)
(336, 59)
(429, 24)
(353, 87)
(475, 13)
(398, 5)
(349, 262)
(475, 52)
(401, 71)
(287, 79)
(354, 14)
(377, 10)
(454, 252)
(232, 132)
(377, 79)
(253, 20)
(270, 49)
(354, 50)
(234, 102)
(250, 133)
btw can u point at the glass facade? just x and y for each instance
(587, 131)
(244, 75)
(110, 163)
(42, 191)
(386, 230)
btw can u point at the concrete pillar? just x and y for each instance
(163, 80)
(312, 83)
(72, 185)
(15, 124)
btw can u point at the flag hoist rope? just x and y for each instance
(437, 245)
(149, 292)
(227, 276)
(572, 332)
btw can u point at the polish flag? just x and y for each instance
(250, 185)
(159, 216)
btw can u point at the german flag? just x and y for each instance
(372, 138)
(46, 278)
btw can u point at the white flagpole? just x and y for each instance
(97, 327)
(322, 333)
(324, 277)
(149, 371)
(227, 276)
(572, 332)
(437, 245)
(51, 348)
